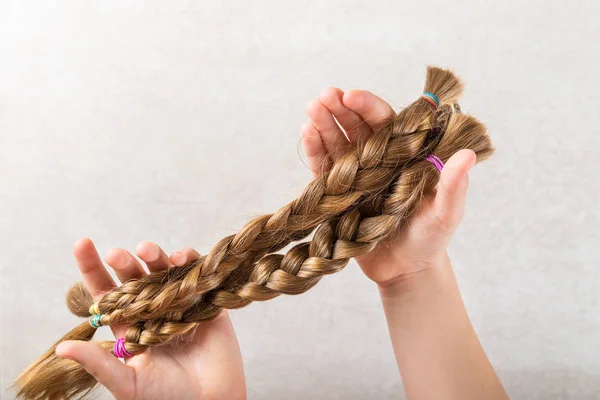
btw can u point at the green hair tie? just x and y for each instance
(95, 321)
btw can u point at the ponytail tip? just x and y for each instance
(79, 300)
(444, 84)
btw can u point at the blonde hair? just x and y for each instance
(369, 193)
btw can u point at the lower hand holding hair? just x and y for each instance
(208, 365)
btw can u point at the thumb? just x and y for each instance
(107, 369)
(451, 193)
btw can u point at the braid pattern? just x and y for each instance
(364, 199)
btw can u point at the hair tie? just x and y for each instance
(95, 321)
(119, 349)
(94, 309)
(432, 99)
(435, 160)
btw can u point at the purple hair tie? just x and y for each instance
(435, 160)
(120, 350)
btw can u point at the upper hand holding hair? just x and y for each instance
(437, 351)
(424, 240)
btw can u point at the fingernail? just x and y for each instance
(114, 258)
(58, 350)
(178, 258)
(152, 253)
(65, 357)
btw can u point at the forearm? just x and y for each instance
(437, 350)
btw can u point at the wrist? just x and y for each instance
(436, 272)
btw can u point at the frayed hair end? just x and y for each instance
(45, 379)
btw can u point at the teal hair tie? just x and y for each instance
(432, 98)
(95, 321)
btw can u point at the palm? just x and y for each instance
(414, 247)
(186, 372)
(159, 372)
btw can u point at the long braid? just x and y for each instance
(364, 199)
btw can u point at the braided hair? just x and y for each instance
(368, 194)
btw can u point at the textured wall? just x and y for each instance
(178, 121)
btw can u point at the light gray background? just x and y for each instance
(178, 121)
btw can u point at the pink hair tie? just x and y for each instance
(435, 160)
(120, 350)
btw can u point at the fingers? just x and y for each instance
(118, 378)
(316, 154)
(334, 139)
(359, 113)
(352, 123)
(372, 109)
(451, 193)
(97, 279)
(125, 265)
(95, 276)
(184, 256)
(154, 257)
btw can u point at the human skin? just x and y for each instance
(209, 366)
(437, 350)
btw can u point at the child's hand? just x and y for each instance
(412, 250)
(436, 348)
(209, 366)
